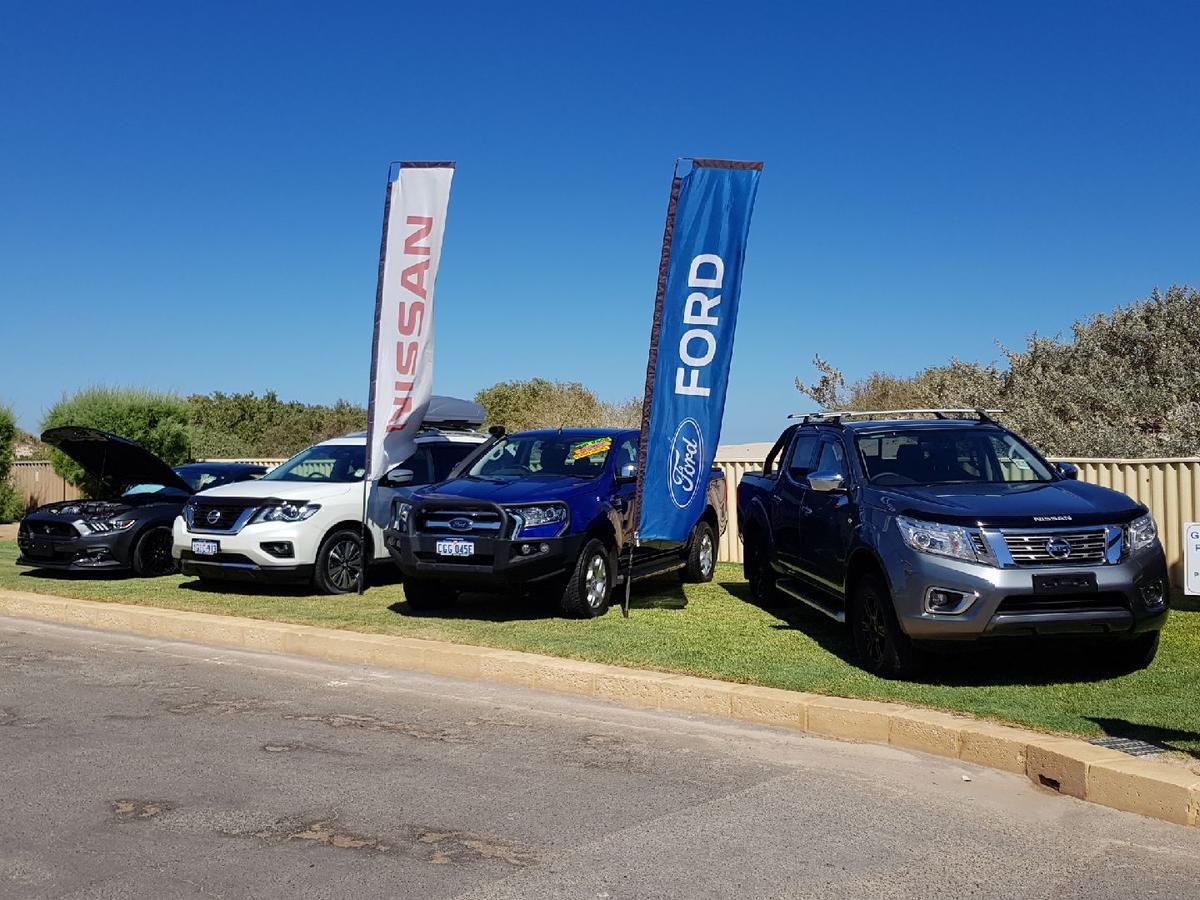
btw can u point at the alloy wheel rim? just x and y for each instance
(343, 564)
(706, 554)
(159, 552)
(596, 581)
(872, 629)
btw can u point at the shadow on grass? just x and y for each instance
(76, 575)
(665, 592)
(378, 576)
(1000, 662)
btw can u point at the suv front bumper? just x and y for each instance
(496, 562)
(1008, 602)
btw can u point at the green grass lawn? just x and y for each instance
(712, 630)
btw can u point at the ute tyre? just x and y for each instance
(424, 595)
(590, 584)
(1135, 654)
(338, 563)
(760, 577)
(702, 555)
(882, 646)
(152, 553)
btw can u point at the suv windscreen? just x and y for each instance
(948, 456)
(330, 463)
(571, 456)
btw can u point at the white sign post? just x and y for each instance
(1191, 558)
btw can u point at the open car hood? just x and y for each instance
(113, 459)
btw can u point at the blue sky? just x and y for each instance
(192, 193)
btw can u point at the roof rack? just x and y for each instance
(836, 416)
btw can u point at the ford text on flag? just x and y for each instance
(692, 343)
(402, 355)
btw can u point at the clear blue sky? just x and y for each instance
(192, 193)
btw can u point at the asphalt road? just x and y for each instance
(138, 768)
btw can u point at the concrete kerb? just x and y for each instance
(1064, 764)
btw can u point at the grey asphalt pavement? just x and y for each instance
(132, 767)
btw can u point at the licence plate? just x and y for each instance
(455, 547)
(206, 548)
(1066, 583)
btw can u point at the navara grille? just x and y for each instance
(1056, 548)
(460, 521)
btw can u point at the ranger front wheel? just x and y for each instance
(590, 584)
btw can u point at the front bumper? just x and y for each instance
(1010, 602)
(496, 562)
(236, 567)
(105, 552)
(244, 555)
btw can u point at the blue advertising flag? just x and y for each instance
(691, 342)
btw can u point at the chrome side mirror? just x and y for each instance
(627, 472)
(397, 477)
(825, 482)
(1068, 470)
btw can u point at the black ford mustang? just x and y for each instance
(131, 531)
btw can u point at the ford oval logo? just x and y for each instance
(1059, 548)
(462, 523)
(686, 457)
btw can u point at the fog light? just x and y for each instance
(947, 601)
(1154, 596)
(526, 549)
(278, 549)
(543, 548)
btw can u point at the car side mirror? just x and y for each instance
(398, 477)
(627, 473)
(826, 482)
(1068, 470)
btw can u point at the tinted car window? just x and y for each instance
(833, 459)
(804, 451)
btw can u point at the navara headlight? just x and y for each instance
(538, 520)
(938, 539)
(286, 512)
(1141, 533)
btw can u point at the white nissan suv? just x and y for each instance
(302, 521)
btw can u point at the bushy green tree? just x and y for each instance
(157, 421)
(1123, 384)
(12, 504)
(539, 403)
(246, 425)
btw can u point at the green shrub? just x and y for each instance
(12, 504)
(157, 421)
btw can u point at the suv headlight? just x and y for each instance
(1141, 533)
(547, 519)
(938, 539)
(401, 510)
(286, 512)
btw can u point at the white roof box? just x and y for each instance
(451, 412)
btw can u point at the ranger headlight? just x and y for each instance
(549, 519)
(401, 510)
(938, 539)
(1141, 533)
(286, 512)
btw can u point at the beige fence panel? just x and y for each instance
(1169, 487)
(38, 483)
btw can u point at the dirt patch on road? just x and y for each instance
(373, 723)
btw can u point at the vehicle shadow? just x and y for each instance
(665, 592)
(1165, 738)
(379, 576)
(1005, 662)
(61, 575)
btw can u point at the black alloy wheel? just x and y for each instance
(882, 646)
(339, 563)
(152, 553)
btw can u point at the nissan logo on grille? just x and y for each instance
(1059, 548)
(461, 523)
(213, 517)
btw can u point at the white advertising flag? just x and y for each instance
(402, 352)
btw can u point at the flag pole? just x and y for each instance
(387, 209)
(651, 367)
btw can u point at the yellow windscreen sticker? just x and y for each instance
(591, 448)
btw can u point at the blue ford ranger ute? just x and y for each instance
(543, 511)
(918, 531)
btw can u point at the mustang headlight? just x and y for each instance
(401, 510)
(1141, 533)
(547, 519)
(101, 526)
(286, 512)
(938, 539)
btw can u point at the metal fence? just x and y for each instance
(1169, 487)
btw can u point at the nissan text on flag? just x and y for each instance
(302, 521)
